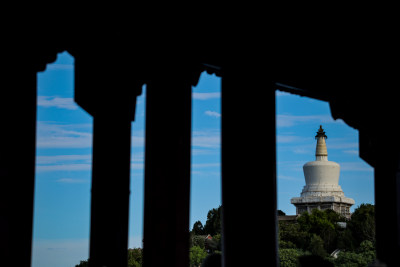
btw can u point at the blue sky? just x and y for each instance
(63, 160)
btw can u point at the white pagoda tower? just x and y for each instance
(322, 190)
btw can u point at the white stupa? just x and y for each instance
(322, 190)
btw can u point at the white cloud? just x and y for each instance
(206, 96)
(56, 66)
(289, 178)
(52, 135)
(341, 143)
(64, 167)
(206, 165)
(71, 181)
(286, 120)
(290, 139)
(351, 152)
(279, 93)
(62, 158)
(57, 102)
(212, 114)
(207, 139)
(137, 161)
(197, 151)
(355, 166)
(137, 166)
(137, 140)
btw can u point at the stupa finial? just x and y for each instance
(321, 133)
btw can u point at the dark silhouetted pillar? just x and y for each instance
(106, 87)
(17, 162)
(110, 191)
(387, 201)
(167, 169)
(248, 168)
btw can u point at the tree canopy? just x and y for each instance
(317, 234)
(310, 239)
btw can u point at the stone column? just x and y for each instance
(17, 160)
(106, 87)
(167, 168)
(110, 191)
(387, 205)
(248, 167)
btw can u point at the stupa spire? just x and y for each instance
(321, 153)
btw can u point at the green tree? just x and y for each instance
(362, 224)
(83, 264)
(291, 236)
(324, 224)
(135, 257)
(213, 223)
(368, 251)
(363, 256)
(198, 228)
(316, 246)
(289, 257)
(197, 240)
(196, 256)
(350, 259)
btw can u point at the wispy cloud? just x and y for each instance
(201, 151)
(290, 139)
(206, 96)
(341, 143)
(51, 135)
(279, 93)
(290, 178)
(355, 166)
(212, 114)
(62, 158)
(72, 181)
(206, 165)
(207, 139)
(351, 152)
(64, 167)
(55, 66)
(57, 102)
(287, 120)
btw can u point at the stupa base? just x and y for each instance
(339, 204)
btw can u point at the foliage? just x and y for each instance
(213, 223)
(196, 256)
(323, 224)
(290, 235)
(289, 257)
(349, 259)
(317, 234)
(198, 228)
(197, 240)
(200, 245)
(362, 223)
(83, 264)
(135, 257)
(307, 241)
(316, 246)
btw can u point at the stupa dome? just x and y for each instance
(322, 189)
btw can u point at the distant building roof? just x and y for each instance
(288, 218)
